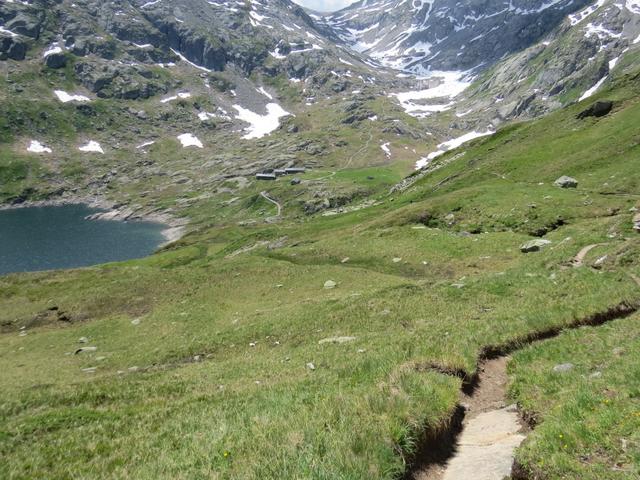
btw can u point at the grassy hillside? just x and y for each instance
(226, 356)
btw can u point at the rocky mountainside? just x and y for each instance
(164, 97)
(275, 37)
(576, 59)
(428, 35)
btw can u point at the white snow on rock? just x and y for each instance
(181, 95)
(37, 147)
(452, 84)
(593, 89)
(92, 146)
(582, 14)
(8, 32)
(450, 145)
(55, 48)
(145, 144)
(190, 140)
(65, 97)
(261, 125)
(184, 59)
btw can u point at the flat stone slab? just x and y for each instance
(486, 447)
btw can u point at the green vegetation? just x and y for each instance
(591, 414)
(224, 356)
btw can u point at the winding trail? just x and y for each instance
(578, 260)
(481, 437)
(266, 196)
(491, 431)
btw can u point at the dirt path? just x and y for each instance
(479, 440)
(578, 260)
(266, 196)
(491, 431)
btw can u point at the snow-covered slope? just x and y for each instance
(572, 63)
(422, 35)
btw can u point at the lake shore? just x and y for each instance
(112, 211)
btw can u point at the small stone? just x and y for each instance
(600, 261)
(345, 260)
(83, 340)
(197, 358)
(85, 350)
(397, 260)
(337, 340)
(135, 321)
(595, 375)
(311, 366)
(90, 370)
(100, 359)
(619, 351)
(252, 344)
(23, 333)
(329, 284)
(133, 369)
(563, 367)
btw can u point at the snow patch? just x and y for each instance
(452, 84)
(65, 97)
(450, 145)
(190, 140)
(37, 147)
(182, 95)
(91, 147)
(261, 125)
(385, 149)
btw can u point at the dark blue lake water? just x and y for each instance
(45, 238)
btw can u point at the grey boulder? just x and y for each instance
(566, 182)
(534, 245)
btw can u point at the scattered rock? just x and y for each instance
(90, 370)
(345, 260)
(598, 109)
(85, 350)
(135, 321)
(636, 222)
(595, 375)
(329, 284)
(534, 245)
(566, 182)
(338, 340)
(397, 260)
(56, 60)
(83, 340)
(296, 181)
(563, 367)
(311, 366)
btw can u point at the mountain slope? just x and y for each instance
(228, 351)
(446, 34)
(588, 49)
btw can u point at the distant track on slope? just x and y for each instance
(266, 196)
